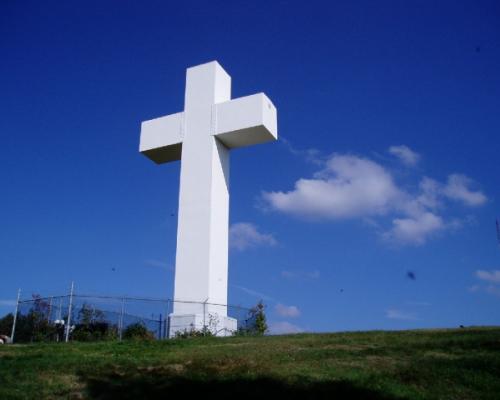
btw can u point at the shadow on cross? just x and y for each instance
(155, 384)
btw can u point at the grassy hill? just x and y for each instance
(427, 364)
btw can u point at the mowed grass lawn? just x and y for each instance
(426, 364)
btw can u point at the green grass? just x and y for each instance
(427, 364)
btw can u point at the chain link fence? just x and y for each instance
(82, 317)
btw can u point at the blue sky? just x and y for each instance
(375, 210)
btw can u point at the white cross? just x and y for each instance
(201, 138)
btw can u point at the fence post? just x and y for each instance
(15, 317)
(204, 315)
(50, 310)
(160, 325)
(168, 319)
(120, 322)
(69, 312)
(59, 317)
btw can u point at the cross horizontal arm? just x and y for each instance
(246, 121)
(161, 138)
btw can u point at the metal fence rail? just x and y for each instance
(87, 317)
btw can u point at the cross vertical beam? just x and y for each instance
(202, 236)
(201, 137)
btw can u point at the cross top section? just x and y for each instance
(236, 123)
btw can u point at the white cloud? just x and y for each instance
(283, 327)
(474, 288)
(415, 230)
(254, 293)
(458, 188)
(310, 155)
(287, 311)
(244, 235)
(492, 276)
(157, 264)
(494, 290)
(419, 303)
(315, 274)
(401, 315)
(430, 193)
(405, 154)
(289, 274)
(348, 187)
(7, 303)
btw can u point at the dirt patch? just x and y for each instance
(64, 386)
(440, 354)
(175, 368)
(348, 347)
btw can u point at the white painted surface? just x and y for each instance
(246, 121)
(218, 325)
(201, 137)
(161, 138)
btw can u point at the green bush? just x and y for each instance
(193, 333)
(137, 331)
(33, 326)
(94, 331)
(92, 326)
(255, 324)
(6, 324)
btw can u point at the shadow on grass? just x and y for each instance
(153, 386)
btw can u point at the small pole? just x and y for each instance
(50, 310)
(15, 316)
(160, 323)
(120, 323)
(167, 313)
(168, 320)
(204, 314)
(60, 309)
(59, 318)
(69, 312)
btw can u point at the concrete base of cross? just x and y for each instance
(218, 325)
